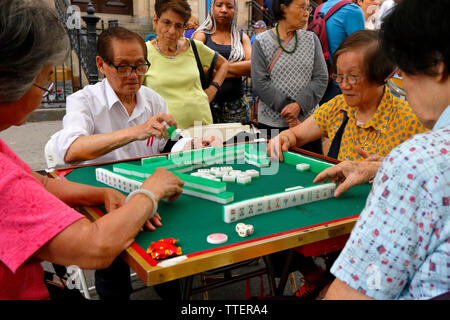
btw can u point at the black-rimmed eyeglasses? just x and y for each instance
(125, 70)
(47, 90)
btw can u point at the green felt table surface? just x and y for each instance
(192, 219)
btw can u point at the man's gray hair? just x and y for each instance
(31, 36)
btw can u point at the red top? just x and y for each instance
(29, 217)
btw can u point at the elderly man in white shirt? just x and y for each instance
(113, 120)
(97, 126)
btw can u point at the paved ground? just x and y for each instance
(29, 140)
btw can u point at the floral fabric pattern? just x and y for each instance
(400, 246)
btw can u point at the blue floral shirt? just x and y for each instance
(400, 246)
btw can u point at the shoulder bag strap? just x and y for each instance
(278, 53)
(199, 64)
(209, 74)
(336, 7)
(317, 11)
(336, 143)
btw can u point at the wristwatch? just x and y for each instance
(215, 84)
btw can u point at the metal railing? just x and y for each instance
(255, 12)
(81, 67)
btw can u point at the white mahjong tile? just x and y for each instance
(301, 196)
(251, 208)
(241, 211)
(302, 167)
(284, 201)
(252, 172)
(240, 179)
(270, 203)
(228, 178)
(259, 206)
(293, 198)
(293, 188)
(219, 174)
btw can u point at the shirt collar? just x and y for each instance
(111, 96)
(381, 111)
(376, 121)
(112, 99)
(444, 119)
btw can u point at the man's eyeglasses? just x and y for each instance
(125, 70)
(303, 8)
(350, 78)
(47, 90)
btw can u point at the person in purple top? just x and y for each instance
(191, 26)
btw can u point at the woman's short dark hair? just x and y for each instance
(415, 36)
(181, 7)
(104, 48)
(278, 13)
(376, 66)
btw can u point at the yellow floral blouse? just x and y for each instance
(392, 124)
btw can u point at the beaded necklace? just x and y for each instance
(159, 50)
(281, 46)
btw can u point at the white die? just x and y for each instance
(240, 226)
(250, 229)
(243, 232)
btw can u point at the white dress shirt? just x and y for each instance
(96, 109)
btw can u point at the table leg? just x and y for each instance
(187, 287)
(285, 273)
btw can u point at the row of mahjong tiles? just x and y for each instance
(124, 175)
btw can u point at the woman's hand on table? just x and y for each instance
(113, 199)
(368, 156)
(163, 184)
(348, 174)
(153, 222)
(212, 141)
(199, 143)
(285, 140)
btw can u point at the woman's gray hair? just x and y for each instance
(31, 36)
(209, 26)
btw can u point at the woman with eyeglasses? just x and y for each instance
(366, 118)
(219, 32)
(174, 73)
(292, 89)
(37, 220)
